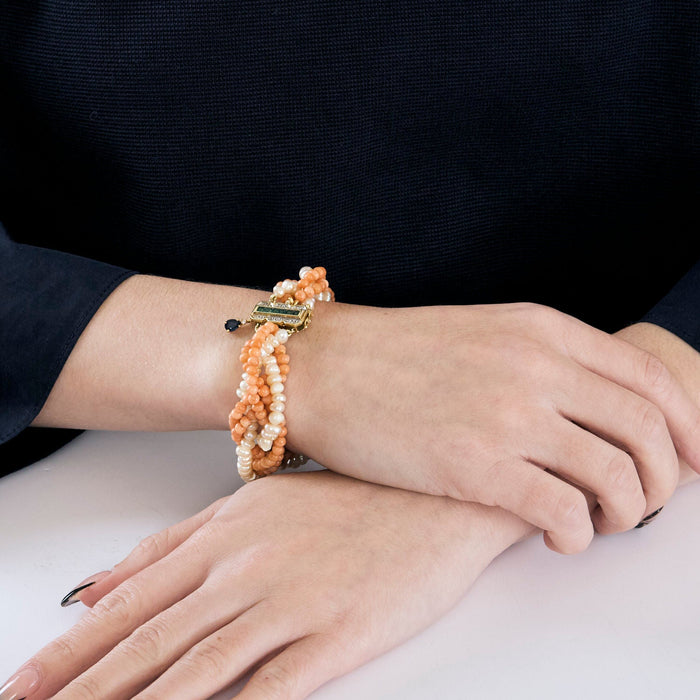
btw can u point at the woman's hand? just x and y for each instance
(512, 405)
(682, 360)
(309, 574)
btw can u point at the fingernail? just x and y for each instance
(20, 685)
(74, 595)
(642, 523)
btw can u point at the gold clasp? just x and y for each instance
(292, 317)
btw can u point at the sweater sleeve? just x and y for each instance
(679, 310)
(47, 298)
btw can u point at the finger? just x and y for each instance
(541, 499)
(628, 421)
(146, 552)
(606, 471)
(644, 374)
(225, 655)
(297, 671)
(115, 617)
(158, 643)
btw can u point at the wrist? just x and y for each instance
(313, 358)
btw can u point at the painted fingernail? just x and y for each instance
(74, 595)
(642, 523)
(20, 685)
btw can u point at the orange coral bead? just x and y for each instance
(254, 408)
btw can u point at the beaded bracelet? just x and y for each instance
(257, 421)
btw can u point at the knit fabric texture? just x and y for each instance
(423, 152)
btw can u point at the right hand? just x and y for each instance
(514, 405)
(306, 576)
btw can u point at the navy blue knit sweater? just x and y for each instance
(424, 152)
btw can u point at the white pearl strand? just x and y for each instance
(272, 428)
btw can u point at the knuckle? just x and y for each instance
(570, 510)
(208, 659)
(651, 425)
(66, 647)
(655, 374)
(152, 547)
(538, 360)
(120, 607)
(85, 687)
(214, 530)
(540, 316)
(277, 679)
(147, 642)
(621, 474)
(533, 309)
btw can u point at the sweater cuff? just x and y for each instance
(679, 311)
(47, 298)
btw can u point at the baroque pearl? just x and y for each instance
(276, 417)
(264, 444)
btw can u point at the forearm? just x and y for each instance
(154, 357)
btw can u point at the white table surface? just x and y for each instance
(621, 620)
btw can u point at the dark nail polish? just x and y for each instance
(649, 518)
(71, 598)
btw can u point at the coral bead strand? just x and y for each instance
(257, 421)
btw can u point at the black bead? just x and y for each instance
(231, 325)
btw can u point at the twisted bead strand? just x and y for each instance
(257, 421)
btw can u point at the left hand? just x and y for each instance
(682, 360)
(309, 574)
